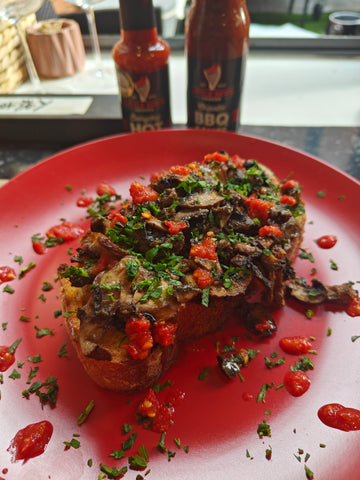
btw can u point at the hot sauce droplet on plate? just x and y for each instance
(337, 416)
(31, 441)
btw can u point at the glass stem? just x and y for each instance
(33, 75)
(90, 14)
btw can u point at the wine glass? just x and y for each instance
(13, 11)
(87, 6)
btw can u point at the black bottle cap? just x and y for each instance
(137, 14)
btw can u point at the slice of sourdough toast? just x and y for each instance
(174, 263)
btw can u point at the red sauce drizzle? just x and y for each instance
(31, 441)
(296, 383)
(326, 241)
(337, 416)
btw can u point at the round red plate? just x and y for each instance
(215, 421)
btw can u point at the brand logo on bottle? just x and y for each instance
(213, 75)
(142, 88)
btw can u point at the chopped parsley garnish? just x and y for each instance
(84, 414)
(26, 269)
(262, 394)
(274, 363)
(49, 395)
(204, 373)
(129, 442)
(43, 332)
(304, 364)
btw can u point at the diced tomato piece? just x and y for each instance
(140, 337)
(6, 358)
(216, 157)
(203, 277)
(206, 249)
(238, 161)
(164, 333)
(141, 193)
(117, 217)
(84, 201)
(105, 188)
(180, 170)
(259, 208)
(268, 230)
(150, 405)
(353, 309)
(289, 184)
(175, 227)
(288, 200)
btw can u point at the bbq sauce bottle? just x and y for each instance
(217, 42)
(141, 62)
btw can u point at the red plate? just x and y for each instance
(215, 421)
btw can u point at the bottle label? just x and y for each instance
(144, 100)
(214, 92)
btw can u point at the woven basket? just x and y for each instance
(13, 71)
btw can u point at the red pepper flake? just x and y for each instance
(84, 201)
(216, 157)
(206, 249)
(105, 188)
(296, 382)
(7, 274)
(296, 345)
(31, 441)
(175, 227)
(270, 230)
(337, 416)
(288, 200)
(141, 193)
(67, 231)
(326, 241)
(203, 278)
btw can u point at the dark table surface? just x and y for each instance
(339, 146)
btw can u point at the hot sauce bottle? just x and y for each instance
(217, 42)
(141, 62)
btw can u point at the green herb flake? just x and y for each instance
(309, 474)
(26, 269)
(62, 351)
(204, 373)
(328, 332)
(8, 289)
(74, 443)
(25, 319)
(4, 326)
(112, 472)
(68, 188)
(264, 430)
(15, 374)
(85, 414)
(18, 259)
(127, 428)
(333, 265)
(160, 387)
(274, 363)
(309, 313)
(43, 332)
(262, 394)
(117, 454)
(15, 345)
(129, 442)
(49, 395)
(47, 286)
(306, 255)
(354, 338)
(321, 194)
